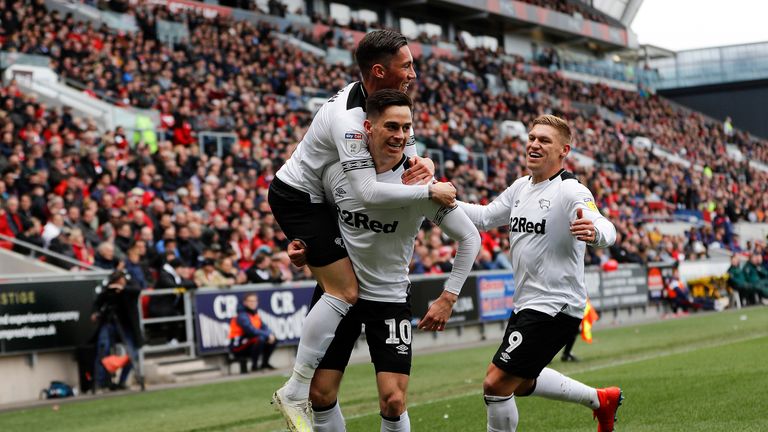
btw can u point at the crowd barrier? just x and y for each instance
(45, 321)
(44, 316)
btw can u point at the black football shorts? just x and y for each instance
(313, 223)
(387, 331)
(531, 341)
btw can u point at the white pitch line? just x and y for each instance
(588, 369)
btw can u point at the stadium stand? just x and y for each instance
(80, 188)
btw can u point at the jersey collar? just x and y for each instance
(562, 170)
(403, 161)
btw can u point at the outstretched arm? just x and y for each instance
(493, 215)
(457, 225)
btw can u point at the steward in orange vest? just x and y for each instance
(249, 337)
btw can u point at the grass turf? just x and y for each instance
(706, 372)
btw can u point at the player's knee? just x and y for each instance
(392, 404)
(491, 386)
(321, 397)
(350, 295)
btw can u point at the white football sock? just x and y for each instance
(317, 332)
(502, 413)
(551, 384)
(329, 419)
(400, 424)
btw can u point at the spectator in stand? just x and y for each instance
(12, 222)
(263, 270)
(39, 167)
(105, 257)
(208, 276)
(134, 267)
(230, 272)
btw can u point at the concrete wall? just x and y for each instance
(12, 263)
(24, 376)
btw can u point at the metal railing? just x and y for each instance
(479, 161)
(35, 251)
(439, 160)
(8, 58)
(216, 143)
(185, 317)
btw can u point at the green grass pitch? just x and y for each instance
(705, 372)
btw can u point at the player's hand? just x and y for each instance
(271, 338)
(582, 228)
(297, 252)
(438, 312)
(422, 171)
(443, 194)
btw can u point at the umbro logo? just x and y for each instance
(505, 357)
(517, 202)
(340, 192)
(402, 349)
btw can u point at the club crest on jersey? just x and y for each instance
(544, 204)
(523, 225)
(354, 142)
(339, 192)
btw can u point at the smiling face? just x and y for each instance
(387, 135)
(545, 152)
(397, 74)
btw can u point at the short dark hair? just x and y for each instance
(378, 46)
(383, 99)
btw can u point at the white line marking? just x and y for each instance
(593, 368)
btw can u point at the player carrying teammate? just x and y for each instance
(380, 245)
(552, 218)
(296, 198)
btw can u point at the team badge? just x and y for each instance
(544, 204)
(354, 141)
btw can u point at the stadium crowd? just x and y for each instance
(105, 200)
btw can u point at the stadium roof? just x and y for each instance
(621, 10)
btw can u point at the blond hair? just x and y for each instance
(556, 122)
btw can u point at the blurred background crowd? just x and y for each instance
(170, 213)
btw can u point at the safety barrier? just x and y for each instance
(184, 316)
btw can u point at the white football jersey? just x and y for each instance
(547, 261)
(380, 241)
(337, 135)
